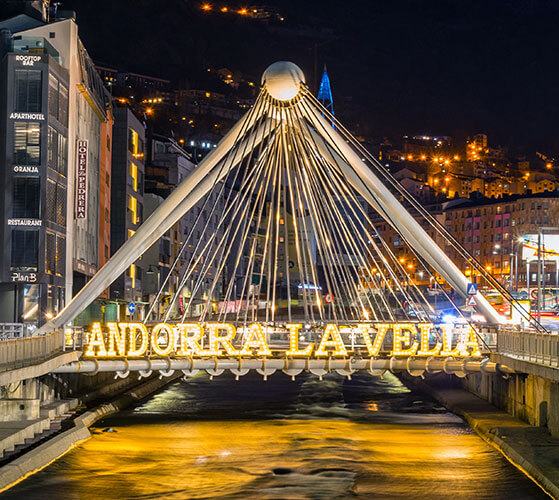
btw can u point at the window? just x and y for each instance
(26, 197)
(53, 96)
(56, 203)
(58, 100)
(25, 249)
(133, 209)
(133, 141)
(62, 154)
(28, 90)
(63, 105)
(133, 179)
(52, 146)
(27, 143)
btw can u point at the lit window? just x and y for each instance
(133, 171)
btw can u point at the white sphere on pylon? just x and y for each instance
(283, 80)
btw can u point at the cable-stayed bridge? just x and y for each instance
(295, 276)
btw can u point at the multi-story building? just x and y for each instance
(127, 198)
(167, 165)
(52, 113)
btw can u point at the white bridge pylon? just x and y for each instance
(287, 124)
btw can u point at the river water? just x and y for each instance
(367, 438)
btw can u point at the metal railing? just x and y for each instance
(20, 352)
(541, 348)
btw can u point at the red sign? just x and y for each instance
(81, 181)
(472, 302)
(329, 298)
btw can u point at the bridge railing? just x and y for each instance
(534, 347)
(20, 352)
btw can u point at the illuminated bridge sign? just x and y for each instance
(199, 340)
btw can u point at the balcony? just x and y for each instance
(33, 46)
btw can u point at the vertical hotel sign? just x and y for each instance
(81, 181)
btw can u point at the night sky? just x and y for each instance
(446, 67)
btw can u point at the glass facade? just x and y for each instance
(57, 151)
(26, 197)
(56, 203)
(58, 100)
(28, 90)
(27, 143)
(25, 250)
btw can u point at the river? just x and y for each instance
(277, 439)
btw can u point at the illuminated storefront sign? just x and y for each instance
(25, 222)
(28, 60)
(25, 170)
(24, 277)
(218, 339)
(81, 181)
(27, 116)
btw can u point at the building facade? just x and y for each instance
(127, 197)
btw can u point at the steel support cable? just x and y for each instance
(285, 229)
(307, 233)
(371, 276)
(222, 164)
(340, 276)
(337, 233)
(186, 194)
(272, 154)
(328, 257)
(405, 274)
(325, 250)
(198, 254)
(249, 179)
(236, 208)
(322, 239)
(303, 246)
(276, 215)
(245, 232)
(389, 269)
(406, 223)
(386, 265)
(227, 249)
(435, 223)
(256, 109)
(334, 266)
(263, 160)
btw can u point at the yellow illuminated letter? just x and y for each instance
(402, 334)
(373, 348)
(256, 340)
(225, 340)
(189, 344)
(331, 338)
(425, 330)
(169, 332)
(448, 332)
(136, 330)
(468, 344)
(116, 342)
(294, 342)
(95, 340)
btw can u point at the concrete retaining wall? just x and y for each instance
(531, 398)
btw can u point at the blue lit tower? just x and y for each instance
(325, 92)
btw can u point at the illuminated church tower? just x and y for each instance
(325, 92)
